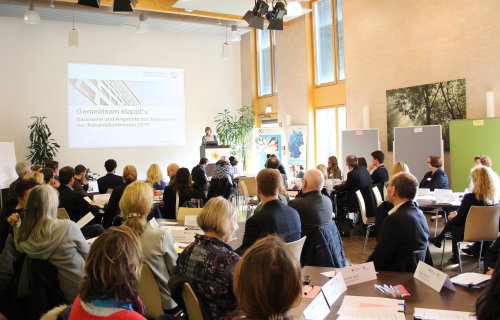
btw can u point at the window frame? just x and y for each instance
(272, 39)
(338, 132)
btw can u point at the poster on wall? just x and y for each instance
(267, 141)
(296, 150)
(428, 104)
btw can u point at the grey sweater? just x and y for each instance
(66, 249)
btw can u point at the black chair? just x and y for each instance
(219, 187)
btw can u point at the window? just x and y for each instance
(266, 62)
(329, 124)
(326, 41)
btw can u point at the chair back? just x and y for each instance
(62, 214)
(183, 212)
(109, 191)
(244, 191)
(362, 207)
(296, 247)
(482, 223)
(378, 196)
(150, 293)
(193, 307)
(251, 184)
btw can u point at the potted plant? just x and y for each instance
(42, 146)
(235, 130)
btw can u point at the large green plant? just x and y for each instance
(235, 130)
(42, 146)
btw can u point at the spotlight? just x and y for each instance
(275, 17)
(235, 36)
(31, 16)
(255, 18)
(294, 8)
(142, 25)
(89, 3)
(122, 6)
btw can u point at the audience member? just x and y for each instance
(48, 177)
(328, 183)
(157, 244)
(155, 177)
(333, 170)
(209, 137)
(234, 163)
(35, 176)
(436, 178)
(110, 180)
(110, 285)
(398, 167)
(54, 165)
(267, 281)
(405, 232)
(379, 175)
(483, 161)
(358, 178)
(300, 173)
(208, 263)
(76, 206)
(273, 216)
(273, 162)
(22, 168)
(199, 175)
(485, 193)
(171, 170)
(179, 191)
(81, 185)
(362, 162)
(36, 167)
(223, 170)
(113, 209)
(492, 257)
(42, 236)
(487, 306)
(283, 195)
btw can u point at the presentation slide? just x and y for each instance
(125, 106)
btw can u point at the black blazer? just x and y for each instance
(458, 223)
(438, 180)
(380, 176)
(402, 233)
(357, 179)
(109, 181)
(113, 207)
(75, 205)
(314, 208)
(273, 218)
(169, 200)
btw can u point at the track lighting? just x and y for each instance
(122, 6)
(255, 18)
(275, 17)
(89, 3)
(31, 16)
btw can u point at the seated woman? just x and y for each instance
(267, 281)
(155, 177)
(109, 289)
(436, 178)
(112, 209)
(333, 170)
(487, 307)
(42, 236)
(157, 245)
(208, 263)
(485, 193)
(223, 169)
(328, 184)
(181, 185)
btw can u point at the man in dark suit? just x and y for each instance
(110, 180)
(81, 185)
(76, 206)
(199, 175)
(358, 178)
(405, 231)
(273, 217)
(380, 175)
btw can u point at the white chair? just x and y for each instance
(251, 184)
(296, 247)
(150, 293)
(481, 225)
(369, 222)
(192, 303)
(183, 212)
(247, 200)
(378, 196)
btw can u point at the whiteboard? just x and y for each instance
(7, 164)
(414, 145)
(360, 143)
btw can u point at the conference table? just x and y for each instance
(422, 296)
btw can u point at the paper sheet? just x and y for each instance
(470, 279)
(86, 219)
(436, 314)
(371, 303)
(154, 224)
(88, 199)
(329, 274)
(361, 314)
(317, 310)
(191, 220)
(333, 289)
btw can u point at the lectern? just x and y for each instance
(213, 153)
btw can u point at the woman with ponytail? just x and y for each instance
(157, 245)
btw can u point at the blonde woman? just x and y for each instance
(328, 184)
(155, 177)
(485, 193)
(157, 245)
(399, 167)
(35, 176)
(113, 210)
(42, 236)
(208, 263)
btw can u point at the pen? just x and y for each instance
(392, 293)
(379, 289)
(308, 290)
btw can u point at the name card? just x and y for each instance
(358, 273)
(317, 310)
(334, 288)
(432, 277)
(359, 132)
(476, 123)
(417, 130)
(191, 221)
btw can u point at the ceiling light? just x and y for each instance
(235, 36)
(294, 8)
(275, 17)
(255, 18)
(52, 5)
(89, 3)
(142, 25)
(31, 16)
(122, 6)
(226, 51)
(73, 38)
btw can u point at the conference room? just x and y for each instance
(283, 85)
